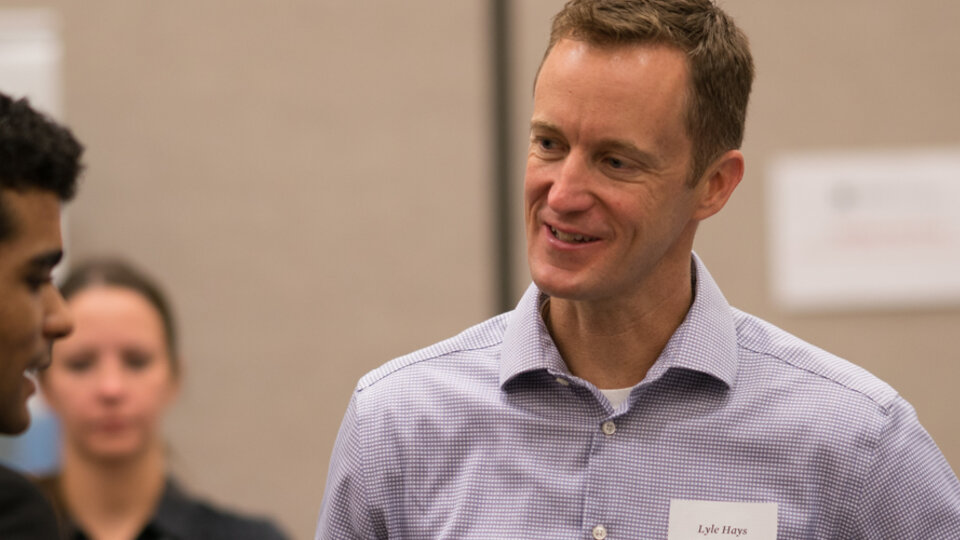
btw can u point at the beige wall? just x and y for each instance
(851, 76)
(311, 180)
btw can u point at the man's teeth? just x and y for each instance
(567, 237)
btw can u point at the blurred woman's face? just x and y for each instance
(111, 380)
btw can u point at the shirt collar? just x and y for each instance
(527, 345)
(174, 513)
(705, 341)
(171, 519)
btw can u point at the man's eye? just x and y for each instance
(37, 281)
(621, 165)
(546, 144)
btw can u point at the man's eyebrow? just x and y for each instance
(540, 125)
(47, 259)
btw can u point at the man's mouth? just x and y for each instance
(571, 238)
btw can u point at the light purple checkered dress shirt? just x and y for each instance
(487, 435)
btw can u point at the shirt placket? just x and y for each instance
(599, 517)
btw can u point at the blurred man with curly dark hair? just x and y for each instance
(39, 166)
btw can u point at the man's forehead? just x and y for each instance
(622, 67)
(609, 76)
(33, 222)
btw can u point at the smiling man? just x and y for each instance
(623, 397)
(39, 165)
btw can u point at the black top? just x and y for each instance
(25, 513)
(177, 517)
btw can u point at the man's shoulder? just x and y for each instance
(759, 339)
(24, 510)
(10, 479)
(477, 343)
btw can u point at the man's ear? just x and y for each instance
(718, 183)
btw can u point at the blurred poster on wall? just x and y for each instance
(30, 66)
(865, 230)
(30, 54)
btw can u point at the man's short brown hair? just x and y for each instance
(721, 67)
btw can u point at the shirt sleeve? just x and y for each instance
(910, 490)
(344, 512)
(24, 511)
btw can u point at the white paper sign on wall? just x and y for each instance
(30, 54)
(866, 230)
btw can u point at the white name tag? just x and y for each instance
(697, 520)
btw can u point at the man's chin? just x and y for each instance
(559, 281)
(15, 423)
(563, 290)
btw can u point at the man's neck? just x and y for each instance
(614, 344)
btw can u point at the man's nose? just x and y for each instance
(57, 321)
(570, 190)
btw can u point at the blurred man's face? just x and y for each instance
(32, 312)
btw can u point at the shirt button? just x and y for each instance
(609, 427)
(563, 382)
(599, 532)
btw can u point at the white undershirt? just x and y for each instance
(617, 396)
